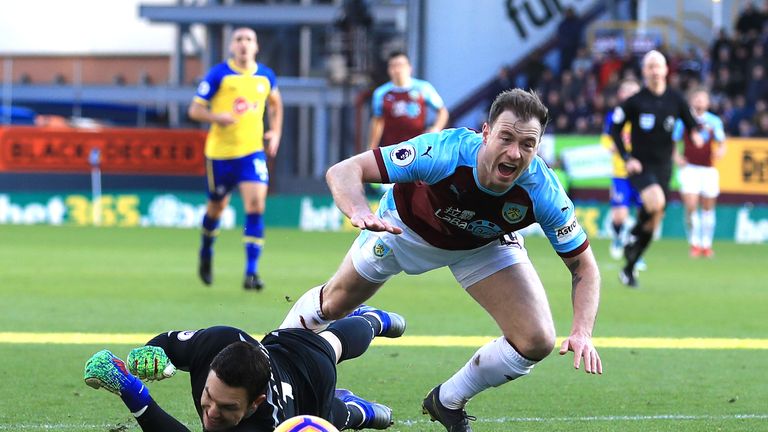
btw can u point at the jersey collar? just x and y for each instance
(232, 65)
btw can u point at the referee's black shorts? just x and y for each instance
(652, 174)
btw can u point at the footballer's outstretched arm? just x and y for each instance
(345, 179)
(585, 296)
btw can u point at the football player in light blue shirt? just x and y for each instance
(459, 197)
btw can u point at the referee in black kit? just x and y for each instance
(652, 113)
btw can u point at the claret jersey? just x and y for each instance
(438, 195)
(404, 109)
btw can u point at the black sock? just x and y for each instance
(355, 334)
(634, 251)
(344, 416)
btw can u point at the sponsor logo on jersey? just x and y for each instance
(380, 249)
(513, 213)
(455, 216)
(485, 229)
(240, 105)
(647, 121)
(402, 155)
(567, 232)
(185, 335)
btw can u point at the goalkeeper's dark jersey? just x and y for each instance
(303, 370)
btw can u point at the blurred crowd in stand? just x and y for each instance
(733, 69)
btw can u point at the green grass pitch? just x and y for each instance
(68, 279)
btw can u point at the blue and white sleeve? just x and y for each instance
(677, 133)
(556, 214)
(428, 158)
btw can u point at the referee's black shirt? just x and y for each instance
(653, 119)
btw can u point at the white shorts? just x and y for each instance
(700, 180)
(377, 256)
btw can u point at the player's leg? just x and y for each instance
(692, 222)
(370, 262)
(619, 211)
(515, 298)
(254, 181)
(650, 215)
(254, 201)
(218, 187)
(323, 304)
(104, 370)
(350, 337)
(690, 188)
(350, 411)
(709, 194)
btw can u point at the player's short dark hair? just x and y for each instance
(397, 53)
(241, 364)
(525, 104)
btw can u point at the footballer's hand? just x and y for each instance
(634, 166)
(224, 119)
(272, 139)
(150, 363)
(582, 348)
(371, 222)
(697, 139)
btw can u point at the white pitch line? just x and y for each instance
(414, 423)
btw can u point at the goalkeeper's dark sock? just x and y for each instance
(341, 414)
(253, 237)
(135, 395)
(355, 335)
(210, 230)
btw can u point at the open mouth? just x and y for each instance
(507, 170)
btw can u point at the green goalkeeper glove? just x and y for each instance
(150, 363)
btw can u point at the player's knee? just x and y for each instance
(215, 209)
(536, 346)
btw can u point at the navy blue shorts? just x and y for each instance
(223, 175)
(623, 194)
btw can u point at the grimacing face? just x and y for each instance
(244, 45)
(224, 406)
(510, 145)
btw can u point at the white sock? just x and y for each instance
(707, 228)
(694, 231)
(306, 313)
(493, 364)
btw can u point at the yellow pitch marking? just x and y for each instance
(413, 341)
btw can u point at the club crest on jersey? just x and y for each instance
(203, 88)
(185, 335)
(513, 213)
(380, 249)
(402, 155)
(647, 121)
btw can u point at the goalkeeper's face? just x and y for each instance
(225, 406)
